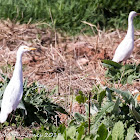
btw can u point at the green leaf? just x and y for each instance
(101, 96)
(131, 78)
(71, 132)
(79, 117)
(111, 68)
(81, 98)
(81, 131)
(130, 133)
(123, 74)
(129, 66)
(25, 83)
(116, 106)
(109, 137)
(118, 131)
(112, 63)
(135, 113)
(100, 114)
(128, 72)
(108, 94)
(102, 132)
(126, 95)
(61, 128)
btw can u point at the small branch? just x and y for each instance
(58, 84)
(89, 113)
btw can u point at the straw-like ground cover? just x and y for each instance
(63, 71)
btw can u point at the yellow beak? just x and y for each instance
(138, 14)
(31, 48)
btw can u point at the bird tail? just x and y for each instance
(3, 117)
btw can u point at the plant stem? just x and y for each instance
(89, 113)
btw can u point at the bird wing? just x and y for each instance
(124, 50)
(11, 97)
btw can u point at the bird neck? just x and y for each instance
(18, 67)
(130, 31)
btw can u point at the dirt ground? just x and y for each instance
(71, 63)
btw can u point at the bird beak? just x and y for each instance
(138, 14)
(31, 48)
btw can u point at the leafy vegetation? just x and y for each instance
(35, 106)
(121, 73)
(110, 113)
(113, 120)
(67, 15)
(114, 114)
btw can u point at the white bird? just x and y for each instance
(14, 90)
(125, 48)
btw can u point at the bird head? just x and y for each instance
(133, 14)
(24, 48)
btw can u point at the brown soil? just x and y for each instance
(69, 62)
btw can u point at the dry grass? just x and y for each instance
(71, 63)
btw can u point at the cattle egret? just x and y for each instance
(125, 48)
(14, 90)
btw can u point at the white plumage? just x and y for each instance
(14, 90)
(125, 48)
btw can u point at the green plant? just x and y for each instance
(114, 114)
(121, 74)
(67, 15)
(114, 117)
(35, 106)
(113, 107)
(123, 108)
(7, 68)
(39, 106)
(81, 98)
